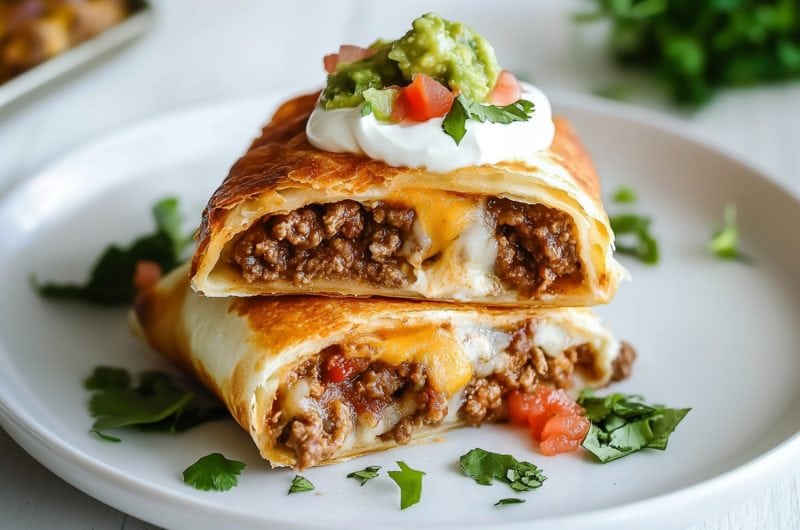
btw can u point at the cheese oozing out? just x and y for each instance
(453, 354)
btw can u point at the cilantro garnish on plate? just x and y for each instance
(484, 467)
(623, 424)
(409, 481)
(636, 228)
(365, 475)
(155, 404)
(111, 280)
(300, 484)
(213, 472)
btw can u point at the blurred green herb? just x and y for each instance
(624, 194)
(645, 246)
(694, 47)
(155, 404)
(725, 243)
(111, 278)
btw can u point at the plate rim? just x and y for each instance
(53, 452)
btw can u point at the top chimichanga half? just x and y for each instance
(405, 209)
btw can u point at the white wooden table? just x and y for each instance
(211, 50)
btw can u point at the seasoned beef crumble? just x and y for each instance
(341, 240)
(537, 246)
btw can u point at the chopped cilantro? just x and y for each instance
(694, 48)
(213, 472)
(485, 466)
(365, 475)
(454, 123)
(111, 278)
(509, 500)
(156, 404)
(410, 483)
(645, 246)
(300, 484)
(624, 424)
(624, 194)
(725, 243)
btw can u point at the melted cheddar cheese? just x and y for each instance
(442, 215)
(448, 367)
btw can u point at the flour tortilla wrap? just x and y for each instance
(305, 375)
(449, 251)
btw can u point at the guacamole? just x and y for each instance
(449, 52)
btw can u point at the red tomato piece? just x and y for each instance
(338, 368)
(506, 91)
(401, 108)
(522, 406)
(427, 98)
(572, 426)
(146, 275)
(558, 444)
(347, 54)
(330, 61)
(351, 54)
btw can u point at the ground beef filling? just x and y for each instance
(537, 247)
(349, 392)
(341, 240)
(485, 397)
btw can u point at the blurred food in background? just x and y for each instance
(696, 46)
(32, 31)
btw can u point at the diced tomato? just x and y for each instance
(570, 425)
(347, 54)
(521, 407)
(427, 98)
(146, 275)
(351, 54)
(559, 444)
(555, 420)
(401, 108)
(506, 91)
(339, 368)
(330, 61)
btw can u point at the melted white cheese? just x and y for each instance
(425, 144)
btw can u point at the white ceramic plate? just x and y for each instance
(720, 337)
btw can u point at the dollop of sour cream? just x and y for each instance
(426, 145)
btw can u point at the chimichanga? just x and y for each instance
(316, 380)
(290, 218)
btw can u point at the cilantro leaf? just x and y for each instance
(454, 124)
(106, 377)
(624, 194)
(645, 247)
(410, 483)
(300, 484)
(484, 466)
(213, 472)
(509, 500)
(365, 475)
(694, 48)
(623, 424)
(156, 404)
(725, 243)
(111, 278)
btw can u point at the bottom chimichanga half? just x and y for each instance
(316, 380)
